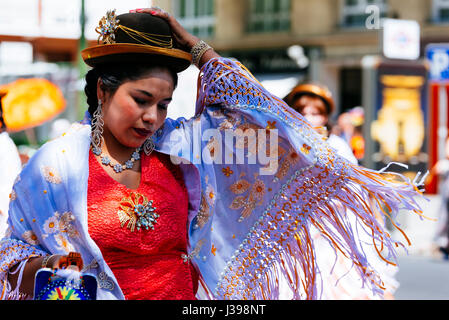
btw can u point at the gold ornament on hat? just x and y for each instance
(107, 26)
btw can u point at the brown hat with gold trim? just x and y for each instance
(314, 90)
(136, 37)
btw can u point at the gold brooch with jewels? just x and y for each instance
(106, 28)
(136, 211)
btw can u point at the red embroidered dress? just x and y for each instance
(146, 263)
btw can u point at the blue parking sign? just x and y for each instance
(438, 56)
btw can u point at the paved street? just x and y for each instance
(423, 274)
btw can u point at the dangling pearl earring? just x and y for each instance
(97, 129)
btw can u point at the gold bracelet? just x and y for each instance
(198, 50)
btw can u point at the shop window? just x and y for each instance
(355, 14)
(196, 16)
(268, 16)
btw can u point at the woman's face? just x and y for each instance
(137, 109)
(313, 109)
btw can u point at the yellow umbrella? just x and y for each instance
(30, 102)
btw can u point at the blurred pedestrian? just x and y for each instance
(10, 166)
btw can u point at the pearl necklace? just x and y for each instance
(118, 168)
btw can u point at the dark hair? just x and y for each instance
(113, 76)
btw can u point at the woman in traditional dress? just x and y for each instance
(172, 209)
